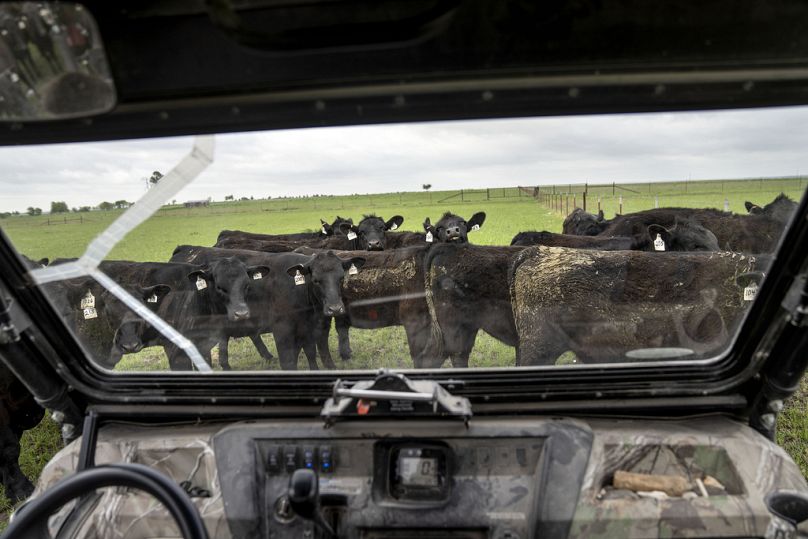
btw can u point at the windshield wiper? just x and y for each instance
(393, 394)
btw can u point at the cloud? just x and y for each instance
(449, 155)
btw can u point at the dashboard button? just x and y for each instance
(290, 458)
(326, 460)
(308, 458)
(274, 459)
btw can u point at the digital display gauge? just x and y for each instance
(419, 472)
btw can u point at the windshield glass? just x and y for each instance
(499, 243)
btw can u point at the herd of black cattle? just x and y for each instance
(646, 285)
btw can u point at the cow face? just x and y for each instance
(454, 229)
(683, 236)
(227, 282)
(581, 223)
(370, 231)
(128, 338)
(324, 274)
(780, 209)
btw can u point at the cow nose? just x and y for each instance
(334, 310)
(241, 314)
(374, 244)
(130, 347)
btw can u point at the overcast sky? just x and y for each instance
(491, 153)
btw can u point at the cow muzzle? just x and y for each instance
(131, 347)
(334, 310)
(375, 245)
(241, 314)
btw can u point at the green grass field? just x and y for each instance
(508, 212)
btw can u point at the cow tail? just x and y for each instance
(434, 346)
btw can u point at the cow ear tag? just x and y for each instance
(299, 279)
(659, 243)
(750, 292)
(201, 284)
(352, 270)
(152, 299)
(429, 237)
(88, 301)
(323, 230)
(351, 235)
(475, 227)
(90, 312)
(257, 275)
(393, 226)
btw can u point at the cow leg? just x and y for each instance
(343, 325)
(16, 485)
(321, 339)
(263, 351)
(310, 349)
(287, 348)
(224, 353)
(461, 360)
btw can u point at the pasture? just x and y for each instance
(508, 212)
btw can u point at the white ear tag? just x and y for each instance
(90, 312)
(201, 283)
(152, 299)
(393, 226)
(659, 243)
(429, 237)
(257, 275)
(351, 235)
(299, 279)
(323, 230)
(353, 270)
(750, 292)
(475, 227)
(88, 301)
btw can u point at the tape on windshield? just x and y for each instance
(169, 185)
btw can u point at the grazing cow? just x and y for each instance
(780, 209)
(453, 228)
(326, 230)
(581, 223)
(602, 305)
(298, 316)
(467, 290)
(742, 233)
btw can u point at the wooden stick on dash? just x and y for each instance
(672, 485)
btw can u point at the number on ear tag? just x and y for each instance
(257, 275)
(475, 227)
(88, 301)
(201, 283)
(90, 312)
(429, 237)
(152, 299)
(299, 279)
(750, 292)
(351, 235)
(393, 226)
(659, 243)
(323, 230)
(353, 270)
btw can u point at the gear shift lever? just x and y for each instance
(304, 497)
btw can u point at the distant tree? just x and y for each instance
(173, 202)
(155, 177)
(5, 214)
(122, 204)
(228, 197)
(34, 211)
(427, 186)
(84, 209)
(15, 212)
(244, 198)
(59, 207)
(106, 206)
(251, 198)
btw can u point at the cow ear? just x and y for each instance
(357, 262)
(325, 228)
(749, 277)
(195, 275)
(394, 222)
(600, 215)
(292, 270)
(427, 225)
(476, 220)
(156, 293)
(753, 208)
(344, 228)
(664, 233)
(257, 272)
(43, 262)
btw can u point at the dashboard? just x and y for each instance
(509, 477)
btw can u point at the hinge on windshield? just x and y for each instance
(796, 301)
(391, 394)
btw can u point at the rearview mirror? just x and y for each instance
(52, 63)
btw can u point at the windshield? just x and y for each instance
(547, 242)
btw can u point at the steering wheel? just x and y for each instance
(31, 521)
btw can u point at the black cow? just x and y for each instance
(581, 223)
(467, 291)
(298, 316)
(602, 305)
(553, 239)
(780, 209)
(326, 230)
(452, 228)
(370, 232)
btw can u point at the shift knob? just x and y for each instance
(304, 493)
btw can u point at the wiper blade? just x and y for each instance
(393, 394)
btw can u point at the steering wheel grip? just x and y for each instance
(137, 476)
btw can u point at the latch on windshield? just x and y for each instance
(392, 394)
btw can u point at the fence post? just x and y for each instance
(488, 194)
(568, 205)
(573, 202)
(462, 196)
(598, 204)
(584, 201)
(621, 205)
(612, 188)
